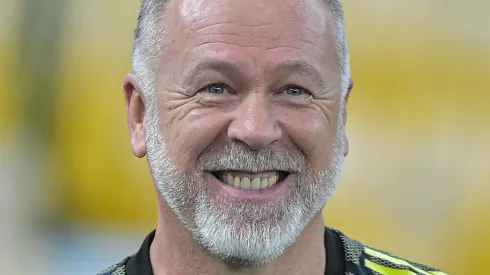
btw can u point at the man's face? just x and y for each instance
(244, 136)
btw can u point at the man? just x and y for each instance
(240, 107)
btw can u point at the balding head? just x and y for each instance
(149, 43)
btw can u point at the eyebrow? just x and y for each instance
(291, 67)
(220, 66)
(284, 68)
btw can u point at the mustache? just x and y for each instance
(240, 157)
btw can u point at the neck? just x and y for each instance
(174, 251)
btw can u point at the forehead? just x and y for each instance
(252, 31)
(309, 13)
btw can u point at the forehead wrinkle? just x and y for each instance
(254, 26)
(257, 43)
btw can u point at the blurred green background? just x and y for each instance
(73, 199)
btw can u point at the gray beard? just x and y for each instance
(237, 232)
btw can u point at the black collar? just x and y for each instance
(140, 263)
(335, 253)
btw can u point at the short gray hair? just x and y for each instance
(148, 43)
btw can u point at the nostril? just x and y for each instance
(255, 130)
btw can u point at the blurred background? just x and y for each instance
(74, 200)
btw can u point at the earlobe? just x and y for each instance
(345, 141)
(135, 111)
(351, 85)
(346, 99)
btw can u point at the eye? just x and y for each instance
(295, 91)
(215, 89)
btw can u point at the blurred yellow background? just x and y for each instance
(416, 181)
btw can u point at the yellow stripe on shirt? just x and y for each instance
(386, 270)
(397, 261)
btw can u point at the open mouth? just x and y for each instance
(251, 181)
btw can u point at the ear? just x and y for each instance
(344, 120)
(135, 111)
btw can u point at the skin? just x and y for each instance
(255, 49)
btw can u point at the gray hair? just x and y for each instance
(148, 43)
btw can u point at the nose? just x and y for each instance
(253, 123)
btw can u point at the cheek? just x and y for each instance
(190, 136)
(313, 135)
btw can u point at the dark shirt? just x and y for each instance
(343, 256)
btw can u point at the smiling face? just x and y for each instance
(244, 131)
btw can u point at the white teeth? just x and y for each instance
(245, 183)
(272, 181)
(248, 184)
(255, 185)
(236, 182)
(263, 184)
